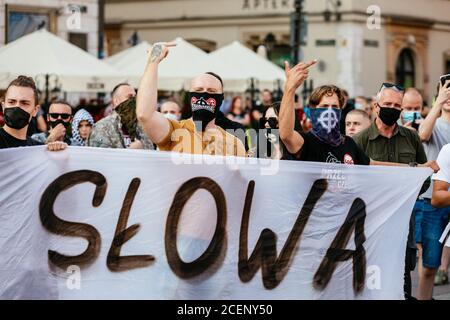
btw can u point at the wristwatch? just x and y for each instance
(413, 164)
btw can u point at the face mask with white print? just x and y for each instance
(205, 107)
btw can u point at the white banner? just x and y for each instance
(91, 223)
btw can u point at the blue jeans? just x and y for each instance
(430, 224)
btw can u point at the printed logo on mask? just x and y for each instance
(202, 104)
(328, 120)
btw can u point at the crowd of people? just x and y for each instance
(389, 129)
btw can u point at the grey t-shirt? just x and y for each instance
(439, 138)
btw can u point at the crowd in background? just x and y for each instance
(393, 128)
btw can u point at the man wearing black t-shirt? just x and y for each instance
(20, 105)
(324, 143)
(9, 141)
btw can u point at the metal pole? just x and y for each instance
(47, 92)
(252, 90)
(296, 40)
(101, 28)
(101, 37)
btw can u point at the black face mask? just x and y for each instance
(205, 107)
(389, 116)
(53, 124)
(16, 118)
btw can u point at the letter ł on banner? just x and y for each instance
(115, 261)
(156, 229)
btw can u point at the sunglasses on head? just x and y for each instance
(388, 85)
(64, 116)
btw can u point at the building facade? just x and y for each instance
(73, 20)
(359, 45)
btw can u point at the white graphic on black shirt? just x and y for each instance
(332, 158)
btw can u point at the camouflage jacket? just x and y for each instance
(107, 133)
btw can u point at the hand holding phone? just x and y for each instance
(444, 79)
(444, 90)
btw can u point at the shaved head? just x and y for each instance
(121, 93)
(206, 83)
(412, 100)
(356, 121)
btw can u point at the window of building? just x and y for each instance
(79, 39)
(405, 69)
(22, 20)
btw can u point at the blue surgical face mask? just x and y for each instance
(326, 126)
(359, 106)
(410, 116)
(171, 116)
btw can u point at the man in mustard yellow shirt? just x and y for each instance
(198, 135)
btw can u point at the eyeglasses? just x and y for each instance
(64, 116)
(388, 85)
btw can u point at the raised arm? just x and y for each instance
(294, 79)
(426, 128)
(155, 125)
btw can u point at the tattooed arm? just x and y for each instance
(155, 125)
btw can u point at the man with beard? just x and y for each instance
(59, 118)
(19, 107)
(198, 135)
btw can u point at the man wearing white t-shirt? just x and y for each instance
(441, 198)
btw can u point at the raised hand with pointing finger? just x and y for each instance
(159, 51)
(296, 75)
